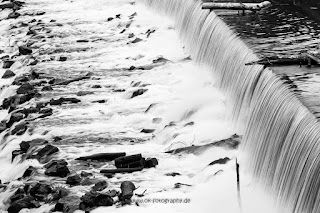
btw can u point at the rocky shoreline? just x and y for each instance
(53, 181)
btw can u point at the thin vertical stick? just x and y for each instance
(238, 185)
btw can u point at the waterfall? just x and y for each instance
(281, 137)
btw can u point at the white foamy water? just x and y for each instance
(180, 91)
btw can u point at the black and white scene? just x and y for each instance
(177, 106)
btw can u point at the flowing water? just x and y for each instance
(187, 108)
(281, 136)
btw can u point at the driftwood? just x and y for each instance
(235, 6)
(306, 59)
(103, 156)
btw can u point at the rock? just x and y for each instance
(57, 138)
(82, 40)
(31, 32)
(23, 50)
(6, 5)
(63, 100)
(121, 162)
(57, 168)
(147, 130)
(46, 110)
(110, 19)
(46, 151)
(136, 40)
(100, 101)
(8, 74)
(40, 191)
(74, 180)
(220, 161)
(94, 199)
(3, 126)
(160, 60)
(7, 64)
(19, 129)
(90, 181)
(101, 185)
(83, 93)
(151, 162)
(33, 62)
(131, 35)
(103, 156)
(15, 117)
(47, 88)
(25, 89)
(13, 15)
(85, 174)
(127, 188)
(62, 58)
(20, 80)
(138, 92)
(96, 86)
(26, 202)
(31, 170)
(122, 31)
(15, 153)
(173, 174)
(24, 146)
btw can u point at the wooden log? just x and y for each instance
(119, 162)
(103, 156)
(121, 170)
(235, 6)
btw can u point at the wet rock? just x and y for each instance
(110, 19)
(136, 40)
(100, 101)
(20, 80)
(127, 189)
(151, 162)
(103, 156)
(57, 168)
(46, 151)
(82, 40)
(179, 185)
(90, 181)
(6, 5)
(26, 145)
(8, 74)
(131, 35)
(7, 64)
(62, 58)
(121, 170)
(83, 93)
(13, 15)
(132, 68)
(40, 191)
(220, 161)
(25, 89)
(32, 32)
(122, 31)
(33, 62)
(19, 129)
(26, 202)
(94, 199)
(68, 204)
(15, 117)
(15, 153)
(101, 185)
(47, 88)
(138, 92)
(64, 100)
(46, 110)
(173, 174)
(23, 50)
(74, 180)
(85, 174)
(31, 170)
(3, 126)
(147, 130)
(96, 86)
(160, 60)
(119, 90)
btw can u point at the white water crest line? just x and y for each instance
(281, 136)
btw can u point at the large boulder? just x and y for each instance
(25, 89)
(46, 151)
(127, 189)
(95, 199)
(23, 50)
(25, 202)
(74, 180)
(40, 191)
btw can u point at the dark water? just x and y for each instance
(283, 31)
